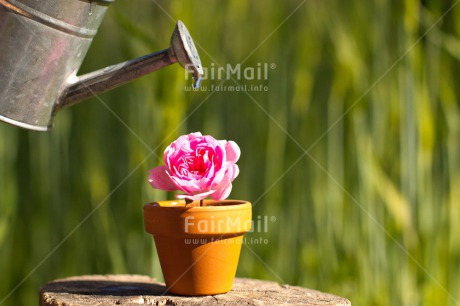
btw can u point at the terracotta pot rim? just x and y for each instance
(209, 205)
(172, 218)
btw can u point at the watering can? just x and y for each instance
(44, 42)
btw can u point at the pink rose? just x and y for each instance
(198, 165)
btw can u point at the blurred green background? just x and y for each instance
(353, 153)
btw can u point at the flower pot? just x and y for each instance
(198, 246)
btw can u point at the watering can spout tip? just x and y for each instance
(185, 51)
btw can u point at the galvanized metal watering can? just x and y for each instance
(42, 45)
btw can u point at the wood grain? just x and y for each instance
(143, 290)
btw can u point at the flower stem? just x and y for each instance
(201, 202)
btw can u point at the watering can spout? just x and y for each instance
(42, 46)
(181, 50)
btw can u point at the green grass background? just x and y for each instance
(353, 153)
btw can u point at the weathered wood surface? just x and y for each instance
(143, 290)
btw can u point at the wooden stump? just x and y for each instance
(143, 290)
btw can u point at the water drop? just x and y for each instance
(197, 83)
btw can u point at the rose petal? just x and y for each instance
(233, 151)
(198, 165)
(160, 179)
(225, 187)
(218, 178)
(195, 134)
(210, 141)
(236, 171)
(222, 193)
(195, 197)
(187, 186)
